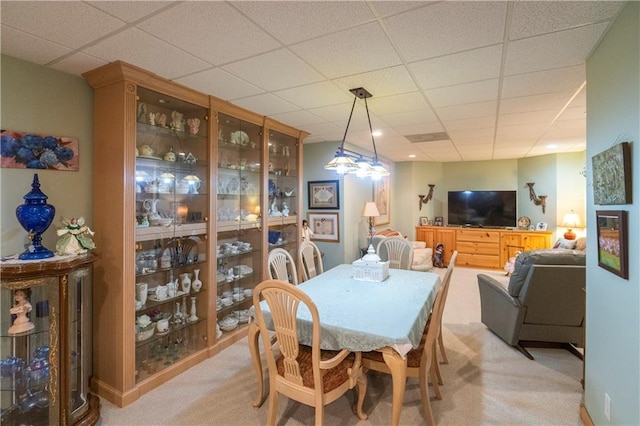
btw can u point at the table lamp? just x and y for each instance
(370, 210)
(570, 220)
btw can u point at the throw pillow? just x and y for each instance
(565, 244)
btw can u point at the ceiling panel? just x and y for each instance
(431, 66)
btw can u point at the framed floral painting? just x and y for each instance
(27, 150)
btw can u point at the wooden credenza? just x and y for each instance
(483, 248)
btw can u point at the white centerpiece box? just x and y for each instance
(370, 267)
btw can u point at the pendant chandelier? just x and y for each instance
(350, 162)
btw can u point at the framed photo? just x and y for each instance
(541, 226)
(438, 221)
(381, 196)
(325, 226)
(612, 175)
(424, 221)
(612, 241)
(324, 194)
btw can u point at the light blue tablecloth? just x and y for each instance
(364, 316)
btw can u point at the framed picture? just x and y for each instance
(612, 241)
(424, 221)
(438, 221)
(325, 226)
(27, 150)
(324, 194)
(612, 175)
(381, 196)
(541, 226)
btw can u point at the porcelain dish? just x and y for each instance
(228, 323)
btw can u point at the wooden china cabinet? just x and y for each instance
(180, 196)
(47, 360)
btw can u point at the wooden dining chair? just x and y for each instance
(282, 266)
(421, 362)
(397, 250)
(303, 373)
(452, 263)
(310, 260)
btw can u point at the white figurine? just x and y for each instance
(177, 122)
(75, 237)
(20, 309)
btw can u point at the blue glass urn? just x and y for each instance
(35, 216)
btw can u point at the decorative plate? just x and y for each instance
(524, 222)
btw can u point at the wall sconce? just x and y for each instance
(424, 199)
(538, 200)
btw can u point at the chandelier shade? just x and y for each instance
(350, 162)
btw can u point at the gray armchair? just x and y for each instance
(543, 304)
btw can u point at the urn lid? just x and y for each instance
(35, 196)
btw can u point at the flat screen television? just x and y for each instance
(482, 208)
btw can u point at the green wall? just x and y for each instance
(612, 363)
(40, 100)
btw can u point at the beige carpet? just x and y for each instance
(486, 383)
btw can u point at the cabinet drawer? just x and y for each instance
(478, 260)
(477, 248)
(478, 235)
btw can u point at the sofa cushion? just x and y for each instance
(562, 243)
(541, 257)
(418, 244)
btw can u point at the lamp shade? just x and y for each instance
(370, 209)
(571, 220)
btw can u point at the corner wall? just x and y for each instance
(40, 100)
(613, 314)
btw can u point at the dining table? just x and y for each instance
(387, 316)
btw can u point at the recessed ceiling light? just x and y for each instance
(552, 146)
(412, 156)
(376, 133)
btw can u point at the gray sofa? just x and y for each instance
(543, 303)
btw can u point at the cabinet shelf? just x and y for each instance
(173, 330)
(233, 225)
(161, 232)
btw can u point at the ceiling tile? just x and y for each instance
(573, 113)
(535, 83)
(349, 52)
(131, 11)
(447, 27)
(480, 109)
(562, 49)
(388, 8)
(416, 129)
(532, 18)
(216, 20)
(29, 48)
(219, 83)
(464, 93)
(465, 134)
(265, 71)
(409, 118)
(45, 19)
(404, 102)
(520, 132)
(298, 118)
(315, 95)
(78, 63)
(465, 67)
(266, 104)
(535, 102)
(385, 82)
(292, 22)
(545, 116)
(481, 142)
(470, 123)
(143, 53)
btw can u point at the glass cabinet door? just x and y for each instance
(172, 211)
(239, 232)
(283, 192)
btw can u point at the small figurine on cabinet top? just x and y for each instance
(75, 237)
(307, 233)
(20, 309)
(439, 261)
(177, 121)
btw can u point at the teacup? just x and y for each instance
(226, 294)
(247, 292)
(162, 326)
(238, 297)
(162, 292)
(227, 301)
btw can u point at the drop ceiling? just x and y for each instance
(502, 79)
